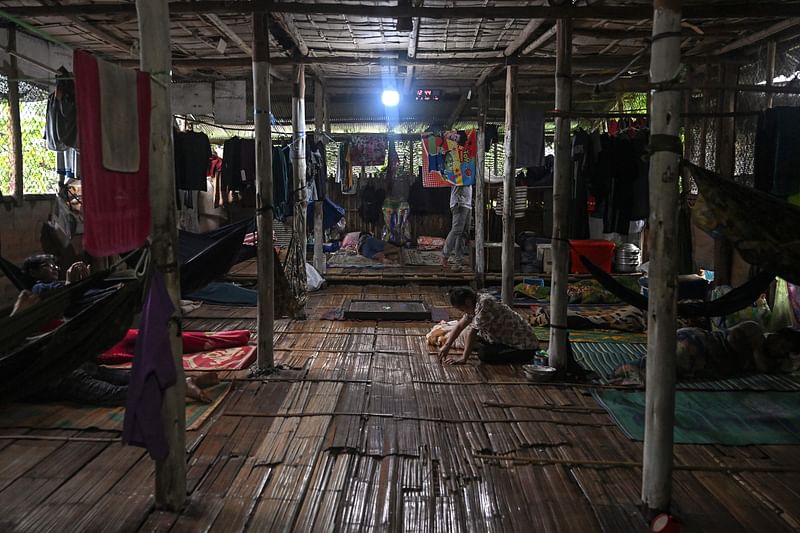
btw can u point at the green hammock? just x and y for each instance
(764, 229)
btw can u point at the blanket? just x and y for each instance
(193, 342)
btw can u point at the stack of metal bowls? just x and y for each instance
(626, 258)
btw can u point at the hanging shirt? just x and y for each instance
(192, 154)
(152, 374)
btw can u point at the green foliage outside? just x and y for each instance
(39, 163)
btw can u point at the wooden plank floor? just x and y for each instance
(363, 430)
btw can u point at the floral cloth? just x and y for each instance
(497, 323)
(368, 150)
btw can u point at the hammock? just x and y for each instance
(735, 300)
(14, 329)
(42, 360)
(20, 279)
(205, 257)
(764, 229)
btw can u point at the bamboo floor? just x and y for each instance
(362, 430)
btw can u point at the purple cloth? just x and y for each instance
(153, 372)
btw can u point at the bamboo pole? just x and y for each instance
(153, 18)
(319, 232)
(508, 186)
(480, 187)
(558, 351)
(771, 49)
(264, 210)
(726, 167)
(299, 157)
(14, 120)
(664, 171)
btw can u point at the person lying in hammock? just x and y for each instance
(498, 333)
(373, 248)
(717, 354)
(95, 385)
(44, 269)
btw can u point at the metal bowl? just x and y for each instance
(539, 373)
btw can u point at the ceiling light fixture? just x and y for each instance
(390, 98)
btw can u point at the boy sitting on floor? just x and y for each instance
(497, 331)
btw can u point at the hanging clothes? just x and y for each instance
(344, 171)
(491, 137)
(116, 205)
(776, 158)
(61, 123)
(231, 164)
(449, 158)
(368, 150)
(192, 156)
(371, 204)
(530, 137)
(281, 188)
(152, 374)
(582, 166)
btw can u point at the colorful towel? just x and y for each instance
(116, 205)
(78, 417)
(193, 342)
(450, 156)
(236, 358)
(728, 418)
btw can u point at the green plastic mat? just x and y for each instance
(730, 418)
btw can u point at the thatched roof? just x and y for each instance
(356, 49)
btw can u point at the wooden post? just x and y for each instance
(664, 170)
(726, 167)
(319, 232)
(155, 58)
(480, 186)
(14, 119)
(771, 48)
(264, 209)
(299, 158)
(558, 351)
(508, 186)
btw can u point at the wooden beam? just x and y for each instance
(413, 40)
(523, 37)
(155, 59)
(265, 362)
(543, 39)
(727, 10)
(319, 232)
(760, 35)
(228, 32)
(94, 30)
(562, 184)
(479, 209)
(458, 109)
(771, 49)
(509, 176)
(14, 120)
(661, 314)
(301, 47)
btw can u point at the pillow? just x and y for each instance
(350, 241)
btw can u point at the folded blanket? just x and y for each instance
(193, 342)
(118, 107)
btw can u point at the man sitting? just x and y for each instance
(44, 269)
(497, 331)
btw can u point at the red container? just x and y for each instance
(601, 253)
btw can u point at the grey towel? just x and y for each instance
(119, 117)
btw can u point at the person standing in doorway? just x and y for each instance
(461, 208)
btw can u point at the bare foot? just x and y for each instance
(194, 392)
(205, 379)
